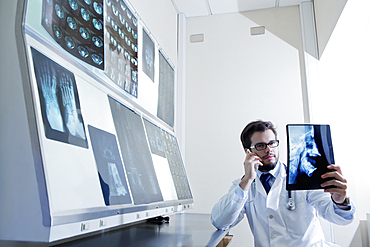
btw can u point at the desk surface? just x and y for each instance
(184, 229)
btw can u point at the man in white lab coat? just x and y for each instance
(273, 220)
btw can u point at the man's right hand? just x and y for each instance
(251, 163)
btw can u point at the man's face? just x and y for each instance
(269, 156)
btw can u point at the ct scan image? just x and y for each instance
(59, 100)
(110, 168)
(120, 38)
(310, 152)
(136, 155)
(148, 56)
(77, 26)
(176, 166)
(155, 138)
(166, 99)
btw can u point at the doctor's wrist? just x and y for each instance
(345, 205)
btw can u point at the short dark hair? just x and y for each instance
(251, 128)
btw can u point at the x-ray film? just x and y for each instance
(155, 138)
(110, 168)
(164, 144)
(59, 101)
(136, 154)
(148, 56)
(77, 26)
(176, 166)
(166, 92)
(121, 46)
(310, 151)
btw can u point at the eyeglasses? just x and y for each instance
(262, 146)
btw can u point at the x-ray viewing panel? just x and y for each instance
(136, 155)
(310, 151)
(96, 154)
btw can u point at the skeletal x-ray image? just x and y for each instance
(121, 48)
(148, 56)
(77, 26)
(136, 155)
(110, 168)
(60, 105)
(166, 98)
(176, 164)
(310, 152)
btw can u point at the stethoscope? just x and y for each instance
(290, 205)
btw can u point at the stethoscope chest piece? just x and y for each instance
(290, 205)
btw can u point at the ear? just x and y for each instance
(247, 151)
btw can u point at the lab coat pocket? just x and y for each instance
(296, 220)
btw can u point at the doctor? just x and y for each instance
(272, 220)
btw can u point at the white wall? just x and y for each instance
(344, 81)
(231, 79)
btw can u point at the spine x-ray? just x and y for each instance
(77, 26)
(60, 105)
(136, 154)
(121, 46)
(110, 168)
(310, 151)
(166, 91)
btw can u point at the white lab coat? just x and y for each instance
(272, 224)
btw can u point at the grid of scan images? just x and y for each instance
(77, 26)
(121, 46)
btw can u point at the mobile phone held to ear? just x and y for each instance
(310, 151)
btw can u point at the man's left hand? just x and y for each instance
(338, 193)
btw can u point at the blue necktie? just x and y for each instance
(265, 181)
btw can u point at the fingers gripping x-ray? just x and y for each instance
(73, 123)
(49, 91)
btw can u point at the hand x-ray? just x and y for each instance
(310, 151)
(60, 105)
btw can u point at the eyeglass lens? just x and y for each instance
(262, 146)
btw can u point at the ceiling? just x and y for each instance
(197, 8)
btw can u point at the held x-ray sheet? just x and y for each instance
(310, 151)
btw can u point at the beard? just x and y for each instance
(268, 166)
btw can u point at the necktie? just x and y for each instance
(265, 181)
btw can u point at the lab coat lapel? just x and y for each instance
(277, 187)
(260, 188)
